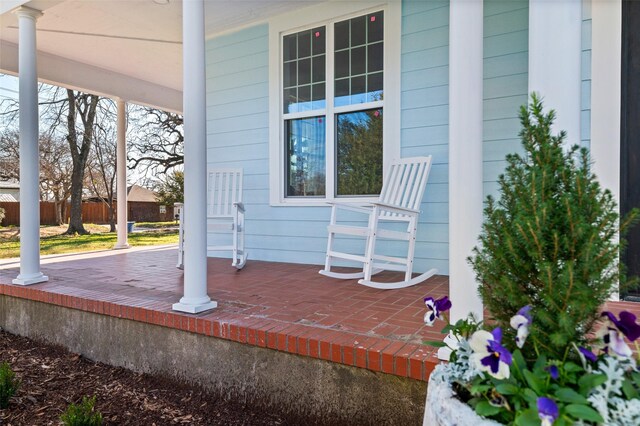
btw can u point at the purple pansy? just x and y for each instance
(587, 354)
(521, 322)
(489, 354)
(547, 411)
(553, 371)
(435, 308)
(626, 324)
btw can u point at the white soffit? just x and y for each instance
(138, 42)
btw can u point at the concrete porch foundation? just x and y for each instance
(297, 386)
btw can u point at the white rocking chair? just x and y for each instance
(225, 213)
(399, 201)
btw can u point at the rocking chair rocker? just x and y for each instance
(399, 201)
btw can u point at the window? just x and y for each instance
(332, 132)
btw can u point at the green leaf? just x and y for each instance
(434, 343)
(636, 378)
(571, 367)
(570, 396)
(530, 396)
(583, 412)
(590, 381)
(486, 410)
(507, 389)
(528, 417)
(520, 363)
(446, 329)
(534, 382)
(629, 389)
(477, 389)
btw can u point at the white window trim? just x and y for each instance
(315, 16)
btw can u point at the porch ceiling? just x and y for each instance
(128, 48)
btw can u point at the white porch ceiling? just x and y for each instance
(123, 48)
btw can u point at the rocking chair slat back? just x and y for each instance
(224, 188)
(405, 183)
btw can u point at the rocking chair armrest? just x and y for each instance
(239, 206)
(396, 209)
(359, 208)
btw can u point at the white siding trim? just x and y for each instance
(392, 65)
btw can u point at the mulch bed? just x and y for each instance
(53, 377)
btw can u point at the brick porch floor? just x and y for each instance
(286, 307)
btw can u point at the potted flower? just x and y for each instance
(546, 263)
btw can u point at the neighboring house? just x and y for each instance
(9, 190)
(309, 98)
(142, 206)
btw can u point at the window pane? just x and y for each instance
(358, 31)
(290, 47)
(359, 153)
(361, 55)
(318, 41)
(358, 61)
(290, 74)
(304, 62)
(342, 64)
(341, 35)
(305, 159)
(304, 44)
(375, 58)
(304, 71)
(375, 27)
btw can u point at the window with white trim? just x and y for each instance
(333, 124)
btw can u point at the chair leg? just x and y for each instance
(370, 244)
(412, 229)
(235, 243)
(242, 256)
(327, 262)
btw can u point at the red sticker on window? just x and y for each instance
(373, 19)
(317, 33)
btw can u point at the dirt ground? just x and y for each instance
(52, 378)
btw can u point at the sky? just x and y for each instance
(8, 87)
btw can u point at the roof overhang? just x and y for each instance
(128, 49)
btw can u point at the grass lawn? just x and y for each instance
(156, 225)
(51, 242)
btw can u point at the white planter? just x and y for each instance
(442, 408)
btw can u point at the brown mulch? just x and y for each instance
(53, 377)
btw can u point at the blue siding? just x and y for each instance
(425, 119)
(238, 124)
(506, 63)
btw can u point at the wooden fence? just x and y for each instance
(91, 213)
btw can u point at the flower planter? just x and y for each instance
(442, 408)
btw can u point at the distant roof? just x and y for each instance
(9, 184)
(139, 193)
(7, 198)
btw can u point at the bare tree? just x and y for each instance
(101, 165)
(83, 106)
(156, 140)
(55, 173)
(9, 154)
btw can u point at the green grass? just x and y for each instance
(155, 225)
(58, 244)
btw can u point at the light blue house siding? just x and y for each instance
(238, 127)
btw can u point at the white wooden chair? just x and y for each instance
(399, 201)
(225, 214)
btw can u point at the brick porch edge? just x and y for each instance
(373, 353)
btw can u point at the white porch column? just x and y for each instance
(195, 297)
(606, 62)
(121, 176)
(555, 29)
(465, 152)
(29, 159)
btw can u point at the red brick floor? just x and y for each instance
(286, 307)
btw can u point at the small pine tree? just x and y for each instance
(549, 241)
(9, 384)
(82, 414)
